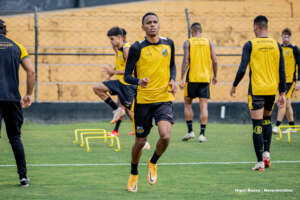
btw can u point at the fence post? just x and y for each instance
(187, 16)
(36, 45)
(292, 9)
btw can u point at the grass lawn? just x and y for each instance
(188, 170)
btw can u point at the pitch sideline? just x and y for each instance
(161, 164)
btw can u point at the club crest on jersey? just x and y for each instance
(165, 52)
(287, 52)
(139, 130)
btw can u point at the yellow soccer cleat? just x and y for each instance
(152, 173)
(132, 183)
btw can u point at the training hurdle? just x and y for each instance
(109, 136)
(289, 133)
(292, 128)
(77, 131)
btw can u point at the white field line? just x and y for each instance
(164, 164)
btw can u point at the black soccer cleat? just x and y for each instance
(24, 182)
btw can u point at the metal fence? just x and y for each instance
(70, 48)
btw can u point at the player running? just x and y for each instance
(119, 87)
(291, 56)
(152, 61)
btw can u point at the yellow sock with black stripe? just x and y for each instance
(258, 139)
(267, 132)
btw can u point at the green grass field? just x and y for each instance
(194, 178)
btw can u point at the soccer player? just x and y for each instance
(125, 91)
(12, 54)
(152, 61)
(291, 56)
(265, 59)
(199, 56)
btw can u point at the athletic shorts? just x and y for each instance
(126, 93)
(144, 114)
(194, 90)
(290, 87)
(258, 102)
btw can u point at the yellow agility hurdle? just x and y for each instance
(112, 137)
(77, 131)
(286, 127)
(289, 133)
(104, 133)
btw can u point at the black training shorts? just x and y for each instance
(194, 90)
(126, 93)
(144, 114)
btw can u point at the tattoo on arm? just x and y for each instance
(186, 58)
(214, 59)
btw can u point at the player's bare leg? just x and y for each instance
(164, 129)
(203, 118)
(101, 91)
(280, 115)
(136, 154)
(189, 115)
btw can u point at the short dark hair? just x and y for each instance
(2, 27)
(286, 31)
(147, 14)
(123, 32)
(261, 21)
(114, 31)
(196, 27)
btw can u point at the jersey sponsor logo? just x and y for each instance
(257, 130)
(139, 130)
(165, 52)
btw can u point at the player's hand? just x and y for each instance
(110, 71)
(108, 78)
(281, 100)
(26, 101)
(143, 82)
(181, 85)
(233, 91)
(172, 83)
(214, 80)
(297, 86)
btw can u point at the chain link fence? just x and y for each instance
(71, 48)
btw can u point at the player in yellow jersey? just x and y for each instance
(125, 92)
(265, 59)
(199, 57)
(152, 61)
(291, 56)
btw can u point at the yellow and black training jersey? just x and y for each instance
(291, 62)
(200, 61)
(156, 62)
(121, 63)
(265, 58)
(11, 55)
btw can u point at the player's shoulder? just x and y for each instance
(248, 44)
(136, 45)
(166, 40)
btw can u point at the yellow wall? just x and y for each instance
(228, 23)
